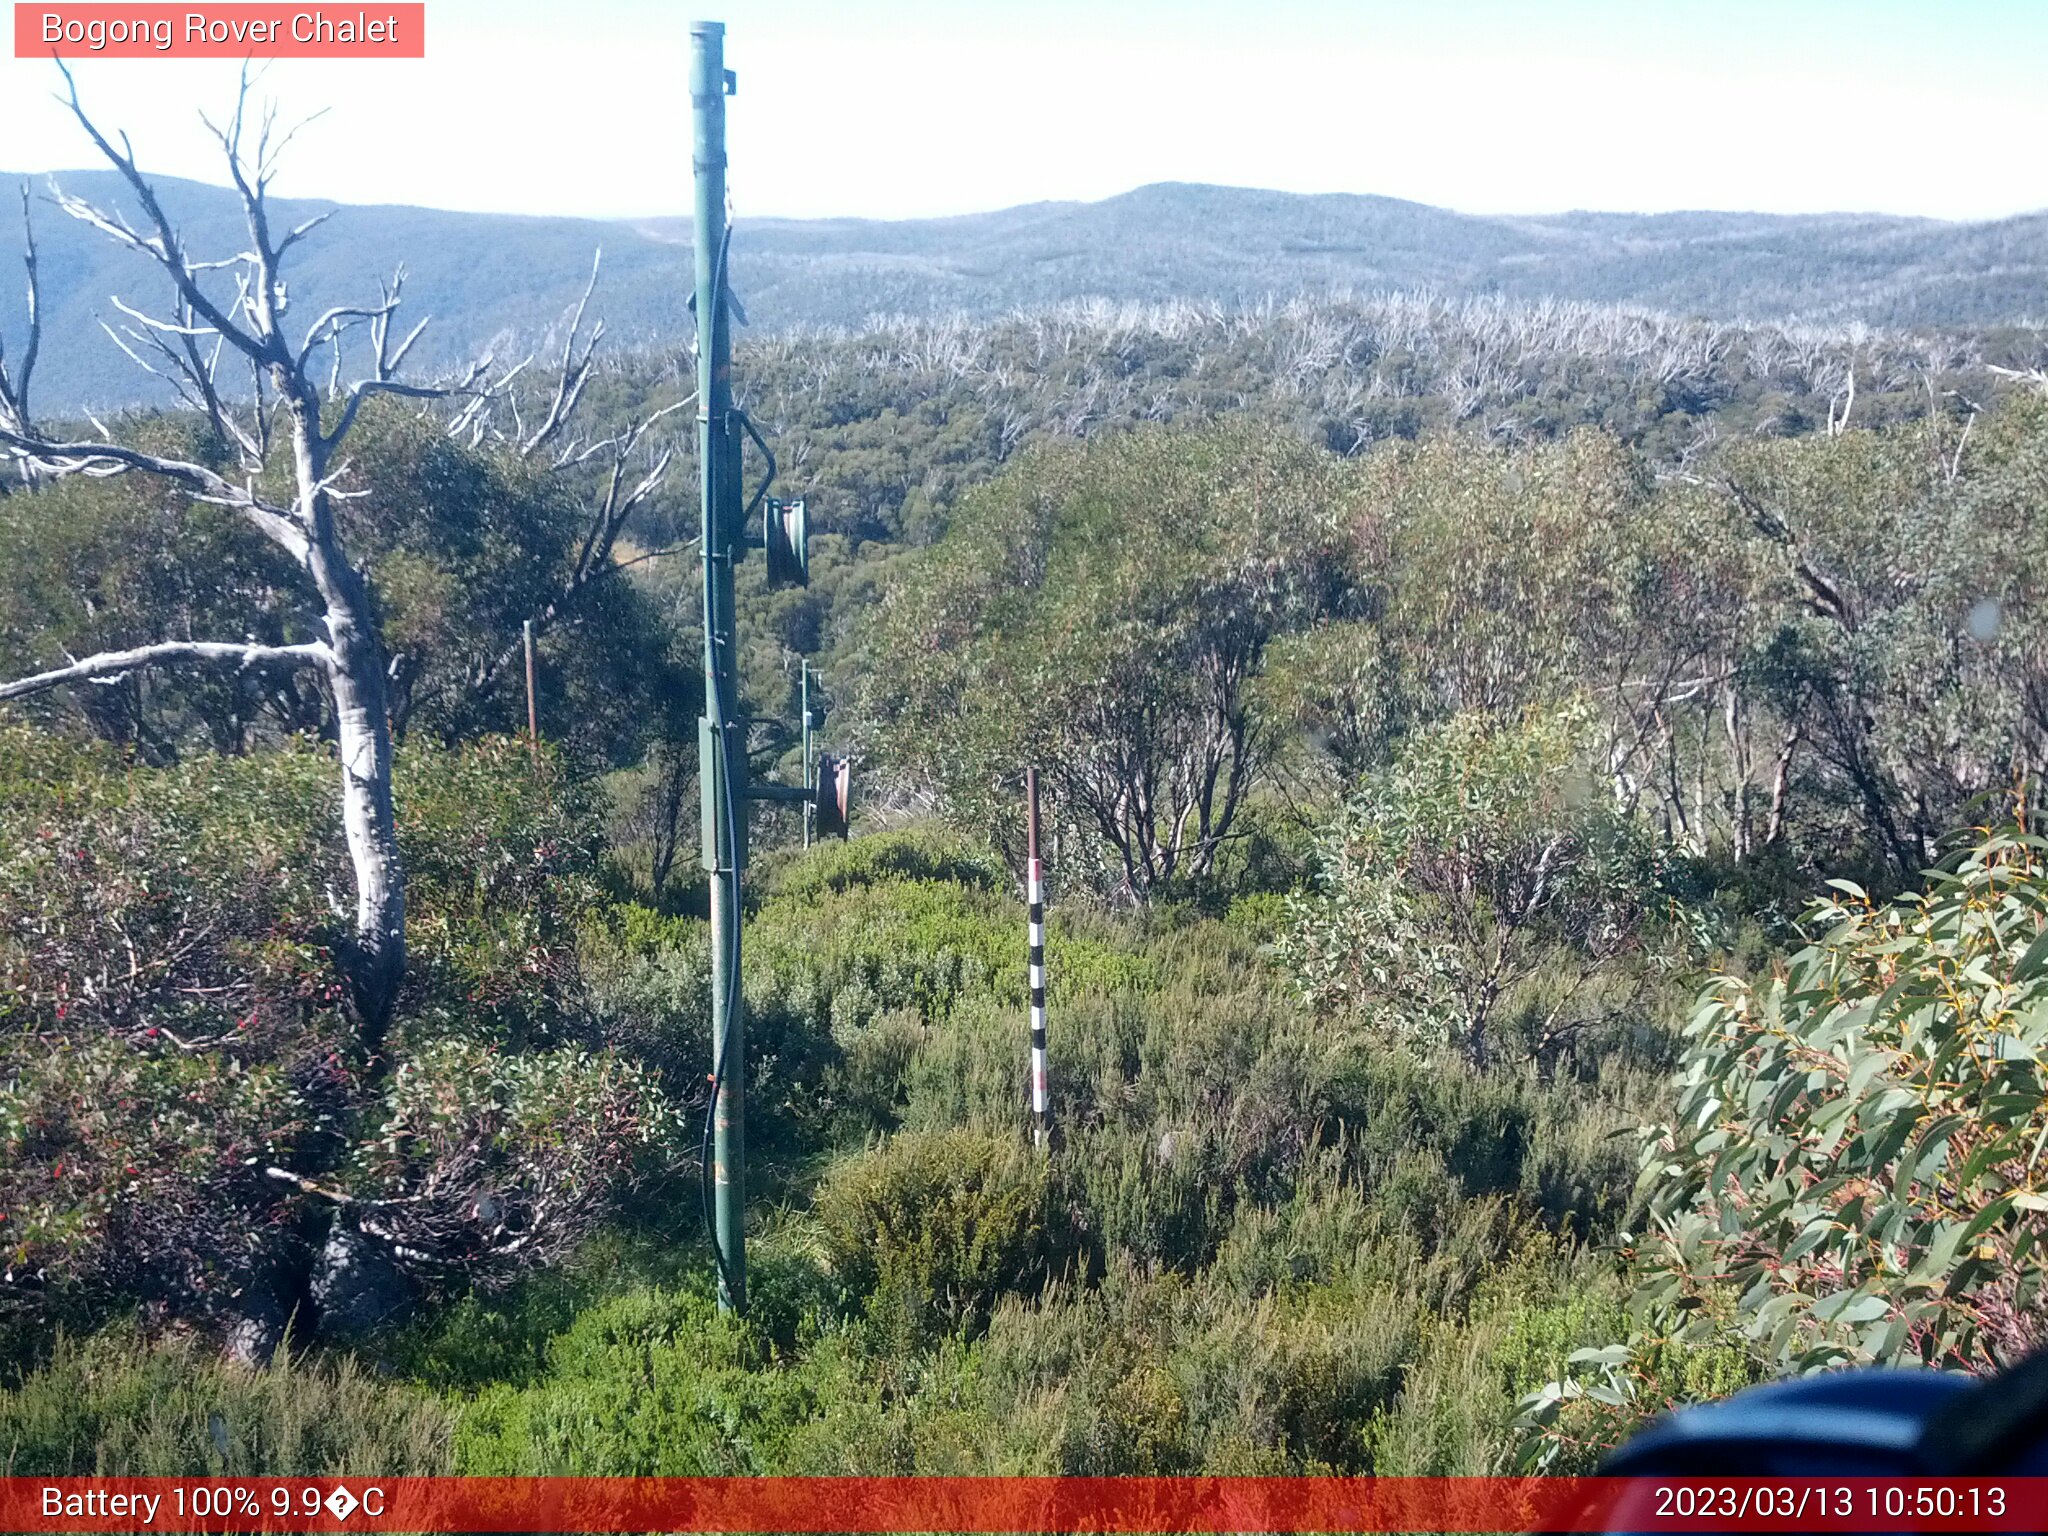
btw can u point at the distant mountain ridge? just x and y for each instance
(503, 281)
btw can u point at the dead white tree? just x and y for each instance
(1837, 425)
(185, 347)
(14, 382)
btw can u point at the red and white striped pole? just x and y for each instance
(1034, 894)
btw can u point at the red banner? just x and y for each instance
(103, 31)
(1022, 1504)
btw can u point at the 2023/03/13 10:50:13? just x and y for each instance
(1885, 1500)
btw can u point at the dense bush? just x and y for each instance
(1263, 1243)
(1170, 1375)
(1850, 1173)
(1805, 655)
(1557, 733)
(1482, 894)
(921, 854)
(1101, 612)
(931, 1229)
(462, 543)
(651, 1383)
(183, 1114)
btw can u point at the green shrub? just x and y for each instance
(931, 1228)
(503, 1161)
(844, 956)
(1099, 609)
(1853, 1151)
(1324, 1233)
(1851, 1174)
(822, 972)
(491, 1338)
(1260, 916)
(1176, 1375)
(918, 854)
(1484, 1349)
(648, 981)
(871, 1081)
(1482, 875)
(501, 867)
(656, 1381)
(1155, 1198)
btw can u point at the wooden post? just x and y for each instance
(532, 706)
(1034, 895)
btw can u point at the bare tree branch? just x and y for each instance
(330, 326)
(164, 247)
(614, 507)
(98, 460)
(113, 664)
(192, 376)
(299, 232)
(575, 369)
(364, 388)
(14, 386)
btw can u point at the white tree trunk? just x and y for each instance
(363, 740)
(362, 729)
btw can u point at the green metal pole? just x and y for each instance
(810, 783)
(718, 450)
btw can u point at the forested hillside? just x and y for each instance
(1494, 753)
(498, 282)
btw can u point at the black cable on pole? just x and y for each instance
(732, 958)
(732, 990)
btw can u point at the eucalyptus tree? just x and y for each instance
(1103, 611)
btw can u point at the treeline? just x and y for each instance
(1793, 656)
(889, 421)
(885, 429)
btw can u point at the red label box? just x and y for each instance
(238, 31)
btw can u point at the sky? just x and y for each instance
(911, 108)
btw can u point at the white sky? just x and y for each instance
(894, 108)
